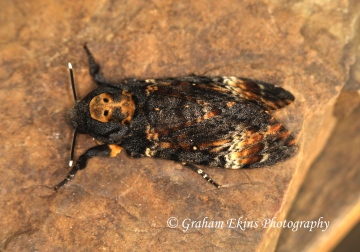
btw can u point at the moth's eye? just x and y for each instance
(106, 112)
(106, 100)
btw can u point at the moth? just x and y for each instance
(195, 120)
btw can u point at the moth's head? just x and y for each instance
(104, 113)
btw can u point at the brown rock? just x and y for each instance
(124, 204)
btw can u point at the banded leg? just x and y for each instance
(97, 151)
(201, 173)
(94, 68)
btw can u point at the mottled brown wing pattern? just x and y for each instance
(218, 121)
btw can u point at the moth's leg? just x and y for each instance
(201, 173)
(133, 154)
(94, 68)
(97, 151)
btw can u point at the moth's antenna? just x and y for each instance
(75, 131)
(73, 149)
(72, 81)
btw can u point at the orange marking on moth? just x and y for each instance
(182, 136)
(250, 93)
(249, 151)
(242, 86)
(230, 104)
(273, 129)
(127, 107)
(252, 140)
(283, 135)
(248, 133)
(250, 160)
(215, 143)
(215, 88)
(251, 87)
(201, 102)
(151, 134)
(165, 145)
(281, 103)
(212, 113)
(115, 150)
(187, 124)
(103, 105)
(273, 105)
(287, 101)
(216, 149)
(100, 109)
(150, 89)
(209, 115)
(185, 146)
(291, 142)
(252, 96)
(247, 86)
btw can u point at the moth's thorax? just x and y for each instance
(113, 107)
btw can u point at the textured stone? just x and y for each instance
(122, 203)
(332, 185)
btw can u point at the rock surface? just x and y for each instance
(122, 203)
(331, 190)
